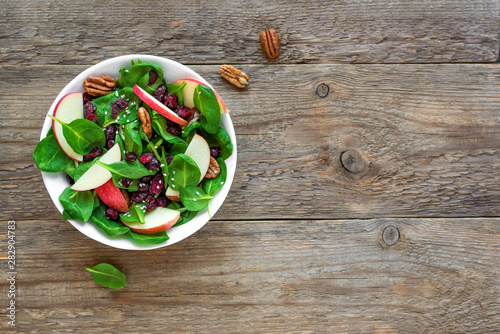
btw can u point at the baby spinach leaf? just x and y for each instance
(205, 100)
(118, 181)
(212, 186)
(135, 214)
(131, 170)
(107, 275)
(177, 90)
(109, 227)
(66, 215)
(164, 166)
(187, 130)
(104, 107)
(148, 239)
(139, 74)
(194, 198)
(132, 142)
(222, 139)
(78, 204)
(186, 216)
(178, 148)
(160, 126)
(49, 157)
(82, 168)
(70, 168)
(82, 135)
(183, 172)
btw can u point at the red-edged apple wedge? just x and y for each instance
(96, 175)
(199, 151)
(69, 108)
(188, 93)
(158, 220)
(158, 106)
(112, 196)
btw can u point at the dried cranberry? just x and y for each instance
(142, 186)
(215, 151)
(96, 152)
(151, 204)
(146, 179)
(152, 77)
(175, 130)
(157, 183)
(126, 182)
(70, 179)
(131, 157)
(88, 109)
(92, 117)
(139, 196)
(110, 132)
(171, 101)
(110, 143)
(162, 201)
(112, 214)
(146, 157)
(153, 164)
(160, 92)
(116, 106)
(87, 98)
(169, 159)
(184, 112)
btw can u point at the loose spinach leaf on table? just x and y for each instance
(206, 102)
(138, 74)
(212, 186)
(131, 170)
(78, 204)
(108, 275)
(109, 227)
(194, 198)
(183, 172)
(82, 135)
(148, 239)
(49, 157)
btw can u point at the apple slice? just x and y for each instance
(158, 220)
(96, 175)
(188, 93)
(112, 196)
(69, 108)
(158, 106)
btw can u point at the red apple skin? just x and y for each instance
(78, 158)
(157, 105)
(222, 105)
(112, 196)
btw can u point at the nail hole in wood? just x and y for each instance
(322, 90)
(352, 161)
(390, 235)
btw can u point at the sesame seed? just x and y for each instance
(194, 199)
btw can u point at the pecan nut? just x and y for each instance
(146, 121)
(234, 76)
(100, 85)
(213, 170)
(270, 43)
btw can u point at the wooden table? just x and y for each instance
(373, 209)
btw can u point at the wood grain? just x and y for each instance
(267, 277)
(430, 135)
(227, 31)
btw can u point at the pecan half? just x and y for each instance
(270, 43)
(146, 121)
(234, 76)
(100, 85)
(213, 170)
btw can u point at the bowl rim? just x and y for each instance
(54, 181)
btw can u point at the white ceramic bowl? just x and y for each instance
(56, 182)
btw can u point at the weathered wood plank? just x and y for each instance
(430, 135)
(83, 32)
(442, 276)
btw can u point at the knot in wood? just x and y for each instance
(322, 90)
(390, 235)
(352, 161)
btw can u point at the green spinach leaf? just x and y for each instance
(107, 275)
(183, 172)
(139, 74)
(82, 168)
(78, 204)
(49, 157)
(194, 198)
(109, 227)
(177, 90)
(186, 216)
(148, 239)
(205, 100)
(135, 214)
(131, 170)
(212, 186)
(160, 126)
(82, 135)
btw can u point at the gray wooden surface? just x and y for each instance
(299, 244)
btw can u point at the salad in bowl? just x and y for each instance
(137, 152)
